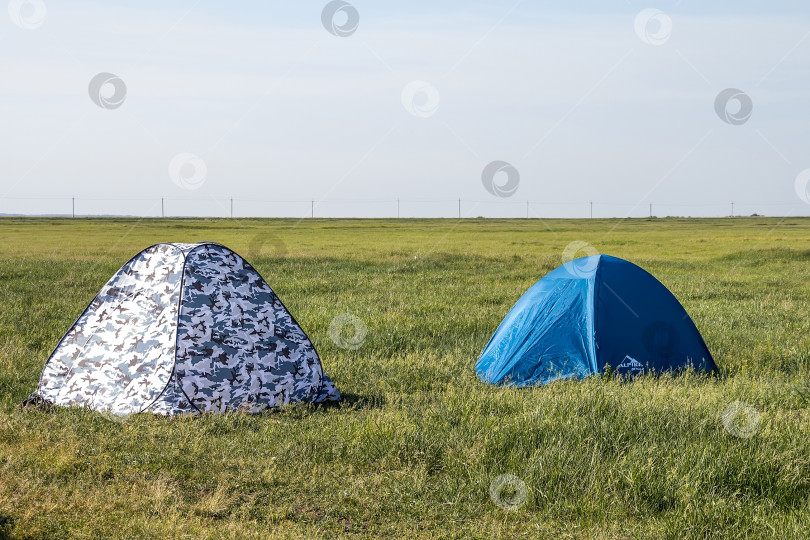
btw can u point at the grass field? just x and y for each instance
(418, 441)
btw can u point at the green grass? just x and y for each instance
(415, 446)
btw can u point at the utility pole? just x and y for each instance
(231, 207)
(162, 211)
(73, 203)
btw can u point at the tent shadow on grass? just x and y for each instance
(348, 401)
(354, 402)
(5, 523)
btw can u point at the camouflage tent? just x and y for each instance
(184, 328)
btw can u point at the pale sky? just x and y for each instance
(610, 101)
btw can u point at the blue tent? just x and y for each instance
(585, 315)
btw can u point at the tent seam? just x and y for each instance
(179, 310)
(176, 334)
(596, 285)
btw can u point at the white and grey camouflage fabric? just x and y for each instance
(184, 328)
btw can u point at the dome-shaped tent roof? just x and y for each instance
(587, 314)
(183, 328)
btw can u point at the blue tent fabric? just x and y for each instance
(588, 314)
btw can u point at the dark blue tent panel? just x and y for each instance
(588, 314)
